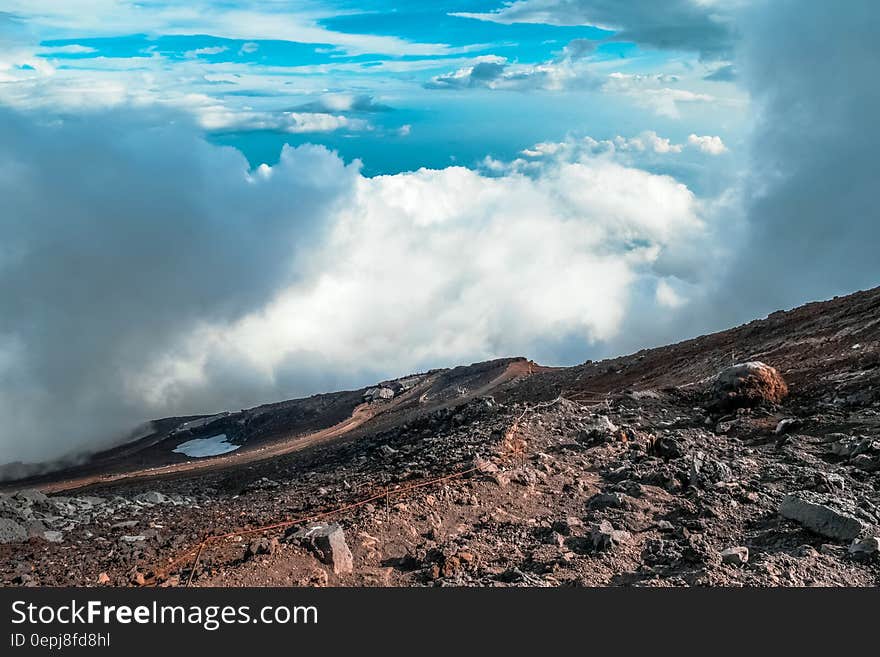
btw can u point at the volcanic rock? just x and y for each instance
(820, 518)
(329, 545)
(746, 385)
(11, 531)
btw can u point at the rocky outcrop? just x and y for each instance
(747, 385)
(820, 518)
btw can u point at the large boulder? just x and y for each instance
(11, 531)
(810, 512)
(746, 385)
(328, 543)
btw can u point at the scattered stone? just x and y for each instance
(597, 429)
(126, 524)
(53, 536)
(603, 536)
(820, 518)
(485, 466)
(866, 547)
(31, 496)
(103, 579)
(608, 501)
(787, 424)
(374, 394)
(327, 541)
(153, 497)
(736, 556)
(133, 539)
(388, 451)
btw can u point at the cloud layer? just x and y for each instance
(149, 273)
(811, 193)
(705, 26)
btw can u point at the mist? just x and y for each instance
(123, 232)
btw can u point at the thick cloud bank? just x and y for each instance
(145, 272)
(702, 25)
(811, 196)
(118, 240)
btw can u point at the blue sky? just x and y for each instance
(227, 64)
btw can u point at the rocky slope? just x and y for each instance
(622, 472)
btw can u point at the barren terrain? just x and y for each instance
(506, 473)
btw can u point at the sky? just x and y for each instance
(214, 204)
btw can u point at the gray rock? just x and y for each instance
(125, 524)
(31, 496)
(372, 394)
(820, 518)
(133, 539)
(328, 544)
(35, 528)
(153, 497)
(388, 451)
(608, 501)
(866, 463)
(11, 531)
(851, 446)
(53, 536)
(866, 547)
(786, 424)
(737, 556)
(597, 429)
(603, 536)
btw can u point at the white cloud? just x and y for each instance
(568, 71)
(666, 295)
(651, 91)
(69, 49)
(647, 142)
(708, 144)
(210, 50)
(448, 266)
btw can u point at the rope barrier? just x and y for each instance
(162, 572)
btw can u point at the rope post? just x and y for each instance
(387, 504)
(195, 565)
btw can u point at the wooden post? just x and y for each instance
(196, 562)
